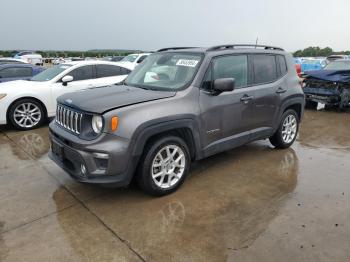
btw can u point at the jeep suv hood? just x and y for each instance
(102, 99)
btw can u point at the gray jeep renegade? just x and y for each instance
(179, 105)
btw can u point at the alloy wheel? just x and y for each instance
(168, 166)
(27, 115)
(289, 129)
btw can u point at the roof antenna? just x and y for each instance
(256, 42)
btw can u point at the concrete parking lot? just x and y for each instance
(254, 203)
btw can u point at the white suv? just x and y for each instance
(30, 57)
(133, 60)
(26, 104)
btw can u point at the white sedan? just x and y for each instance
(27, 103)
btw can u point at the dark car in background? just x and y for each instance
(18, 71)
(330, 86)
(10, 60)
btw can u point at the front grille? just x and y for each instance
(68, 119)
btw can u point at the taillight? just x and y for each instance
(298, 68)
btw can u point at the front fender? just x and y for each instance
(154, 127)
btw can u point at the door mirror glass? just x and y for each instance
(66, 79)
(224, 84)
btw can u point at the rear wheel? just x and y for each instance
(287, 130)
(26, 114)
(164, 166)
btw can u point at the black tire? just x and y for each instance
(311, 104)
(11, 112)
(144, 176)
(277, 139)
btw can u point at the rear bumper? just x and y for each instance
(116, 170)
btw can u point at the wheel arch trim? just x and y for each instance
(148, 130)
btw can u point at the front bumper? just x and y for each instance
(322, 95)
(117, 170)
(3, 111)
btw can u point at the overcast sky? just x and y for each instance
(152, 24)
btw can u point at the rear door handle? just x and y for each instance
(245, 99)
(280, 90)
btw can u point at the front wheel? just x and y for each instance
(26, 114)
(287, 130)
(164, 166)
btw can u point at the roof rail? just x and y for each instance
(220, 47)
(173, 48)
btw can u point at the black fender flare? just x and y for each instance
(297, 100)
(154, 127)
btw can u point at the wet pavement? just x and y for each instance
(253, 203)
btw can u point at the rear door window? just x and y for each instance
(108, 71)
(265, 70)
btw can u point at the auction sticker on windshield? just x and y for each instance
(186, 62)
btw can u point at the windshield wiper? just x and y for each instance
(137, 86)
(142, 87)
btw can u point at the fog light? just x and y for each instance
(83, 169)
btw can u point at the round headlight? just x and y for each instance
(97, 124)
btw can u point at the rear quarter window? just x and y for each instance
(282, 65)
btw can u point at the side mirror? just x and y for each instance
(224, 85)
(66, 79)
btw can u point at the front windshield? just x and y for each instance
(50, 73)
(129, 58)
(338, 65)
(165, 71)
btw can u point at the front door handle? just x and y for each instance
(245, 99)
(280, 90)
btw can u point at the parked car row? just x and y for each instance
(306, 64)
(28, 103)
(132, 59)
